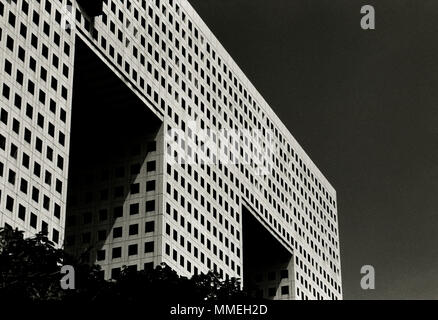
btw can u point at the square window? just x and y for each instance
(33, 220)
(272, 292)
(132, 249)
(55, 236)
(35, 194)
(4, 116)
(86, 237)
(2, 142)
(101, 235)
(150, 185)
(133, 229)
(117, 232)
(152, 146)
(117, 252)
(271, 276)
(120, 172)
(135, 188)
(150, 226)
(88, 217)
(100, 255)
(115, 273)
(118, 212)
(104, 194)
(149, 247)
(44, 228)
(11, 178)
(285, 290)
(150, 205)
(148, 266)
(118, 192)
(70, 240)
(103, 214)
(135, 169)
(22, 212)
(57, 211)
(58, 186)
(284, 274)
(14, 151)
(134, 208)
(151, 166)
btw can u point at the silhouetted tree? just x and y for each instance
(29, 268)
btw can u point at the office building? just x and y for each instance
(128, 131)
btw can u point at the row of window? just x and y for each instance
(116, 252)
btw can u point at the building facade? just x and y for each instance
(191, 166)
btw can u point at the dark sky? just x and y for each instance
(364, 105)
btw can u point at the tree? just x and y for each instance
(29, 268)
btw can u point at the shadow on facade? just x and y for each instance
(267, 264)
(112, 142)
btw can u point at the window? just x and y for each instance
(149, 266)
(132, 249)
(58, 187)
(115, 273)
(118, 212)
(118, 192)
(87, 217)
(21, 212)
(149, 226)
(150, 205)
(101, 235)
(117, 232)
(117, 252)
(2, 142)
(133, 229)
(285, 290)
(100, 255)
(57, 211)
(103, 214)
(4, 116)
(44, 228)
(151, 166)
(120, 172)
(284, 274)
(33, 220)
(152, 146)
(149, 247)
(55, 236)
(135, 188)
(271, 292)
(48, 178)
(150, 185)
(134, 208)
(35, 194)
(86, 237)
(135, 169)
(271, 276)
(11, 178)
(46, 202)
